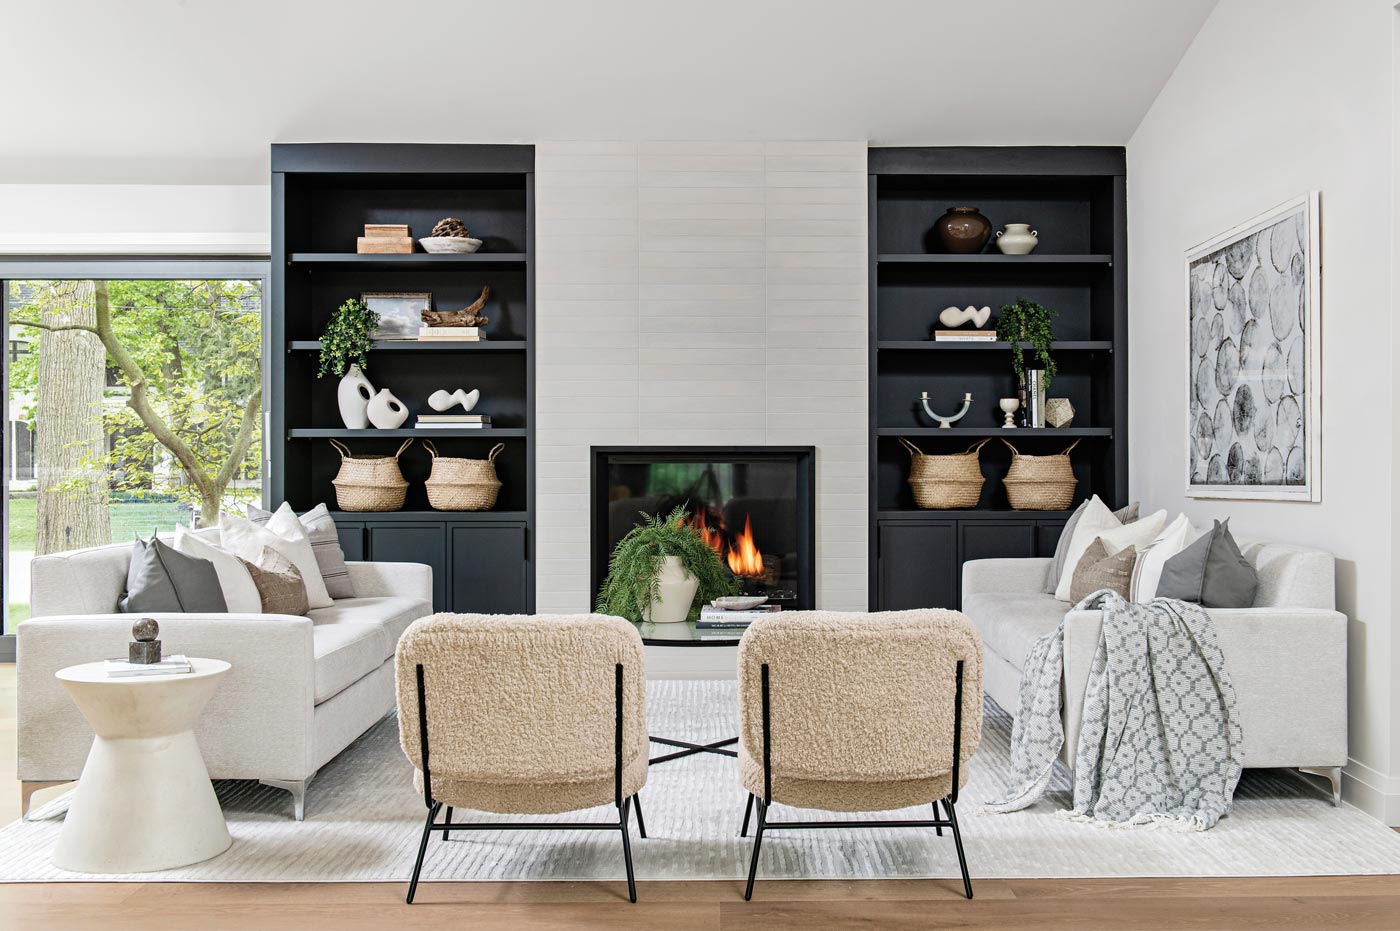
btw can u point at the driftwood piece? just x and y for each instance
(467, 316)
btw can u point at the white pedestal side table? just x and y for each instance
(144, 801)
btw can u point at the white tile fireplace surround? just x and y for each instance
(705, 294)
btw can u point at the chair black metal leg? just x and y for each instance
(637, 809)
(748, 810)
(757, 844)
(957, 840)
(627, 849)
(937, 817)
(449, 821)
(422, 849)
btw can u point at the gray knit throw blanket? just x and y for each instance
(1160, 740)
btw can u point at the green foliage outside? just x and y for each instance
(631, 584)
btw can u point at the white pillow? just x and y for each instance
(1096, 520)
(1147, 572)
(1139, 533)
(246, 540)
(240, 592)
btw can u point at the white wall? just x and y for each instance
(700, 293)
(1274, 98)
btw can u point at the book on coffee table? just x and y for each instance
(171, 665)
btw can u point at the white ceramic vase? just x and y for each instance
(1017, 239)
(353, 395)
(386, 411)
(676, 591)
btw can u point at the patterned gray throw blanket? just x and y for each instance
(1160, 741)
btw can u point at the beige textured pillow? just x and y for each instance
(279, 583)
(1097, 569)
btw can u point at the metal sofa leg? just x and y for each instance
(1332, 774)
(298, 789)
(27, 788)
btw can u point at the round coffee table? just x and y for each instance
(144, 801)
(686, 635)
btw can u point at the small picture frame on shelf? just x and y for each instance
(400, 312)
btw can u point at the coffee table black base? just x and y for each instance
(689, 749)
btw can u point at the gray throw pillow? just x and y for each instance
(1125, 516)
(162, 579)
(325, 545)
(1211, 572)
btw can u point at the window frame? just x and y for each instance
(117, 268)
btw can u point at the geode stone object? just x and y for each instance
(145, 647)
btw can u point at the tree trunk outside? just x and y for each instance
(68, 415)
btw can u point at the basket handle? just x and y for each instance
(406, 444)
(1014, 451)
(913, 450)
(341, 448)
(977, 447)
(1070, 447)
(495, 451)
(432, 450)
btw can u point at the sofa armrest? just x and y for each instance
(1288, 667)
(980, 576)
(392, 578)
(258, 725)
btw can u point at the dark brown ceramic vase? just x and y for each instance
(962, 230)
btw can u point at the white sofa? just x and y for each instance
(301, 689)
(1286, 655)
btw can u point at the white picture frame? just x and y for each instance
(1253, 358)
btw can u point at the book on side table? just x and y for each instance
(171, 665)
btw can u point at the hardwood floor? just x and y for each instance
(1362, 903)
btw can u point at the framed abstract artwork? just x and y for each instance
(1253, 380)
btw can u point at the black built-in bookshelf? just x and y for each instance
(322, 196)
(1076, 198)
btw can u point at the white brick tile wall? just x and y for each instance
(701, 293)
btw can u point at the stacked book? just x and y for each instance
(451, 334)
(171, 665)
(453, 421)
(965, 336)
(722, 624)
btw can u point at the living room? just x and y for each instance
(773, 465)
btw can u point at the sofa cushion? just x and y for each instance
(160, 578)
(393, 613)
(1011, 622)
(344, 653)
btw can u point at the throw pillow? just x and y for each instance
(279, 583)
(162, 579)
(246, 540)
(1152, 558)
(1138, 533)
(240, 594)
(1211, 572)
(1125, 516)
(325, 543)
(1098, 568)
(1095, 519)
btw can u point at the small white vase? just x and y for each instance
(1017, 239)
(353, 396)
(386, 411)
(676, 591)
(441, 399)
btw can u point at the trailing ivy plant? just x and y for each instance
(1029, 322)
(632, 584)
(347, 338)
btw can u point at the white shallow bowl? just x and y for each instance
(739, 602)
(450, 244)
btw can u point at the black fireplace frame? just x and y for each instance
(804, 457)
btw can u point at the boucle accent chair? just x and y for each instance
(858, 712)
(524, 714)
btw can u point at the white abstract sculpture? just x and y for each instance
(353, 396)
(957, 316)
(386, 411)
(441, 400)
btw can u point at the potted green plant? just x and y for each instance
(347, 338)
(1028, 322)
(662, 571)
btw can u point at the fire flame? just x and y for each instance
(713, 538)
(745, 560)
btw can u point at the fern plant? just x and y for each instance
(1027, 321)
(632, 584)
(347, 338)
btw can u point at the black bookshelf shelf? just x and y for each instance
(985, 514)
(408, 345)
(339, 433)
(1081, 345)
(486, 517)
(409, 261)
(991, 258)
(1039, 433)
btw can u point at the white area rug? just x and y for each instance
(364, 820)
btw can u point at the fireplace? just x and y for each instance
(755, 505)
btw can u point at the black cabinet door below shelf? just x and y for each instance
(984, 539)
(421, 543)
(918, 565)
(352, 541)
(489, 570)
(1047, 536)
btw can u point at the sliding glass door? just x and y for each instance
(134, 403)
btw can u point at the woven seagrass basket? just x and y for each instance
(953, 480)
(463, 484)
(1040, 483)
(369, 483)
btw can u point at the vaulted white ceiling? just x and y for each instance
(195, 90)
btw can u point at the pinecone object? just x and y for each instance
(451, 226)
